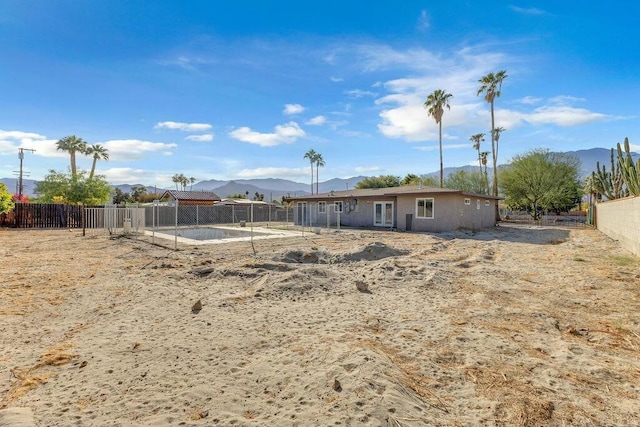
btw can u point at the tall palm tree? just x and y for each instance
(311, 156)
(496, 135)
(72, 145)
(436, 103)
(99, 153)
(191, 181)
(477, 139)
(483, 160)
(491, 84)
(319, 162)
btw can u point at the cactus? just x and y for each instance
(630, 171)
(609, 184)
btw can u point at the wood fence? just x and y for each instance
(45, 215)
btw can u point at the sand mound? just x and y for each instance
(372, 252)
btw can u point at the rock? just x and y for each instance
(362, 286)
(337, 386)
(196, 307)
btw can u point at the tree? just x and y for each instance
(237, 196)
(424, 180)
(319, 162)
(609, 183)
(191, 181)
(311, 156)
(541, 181)
(120, 198)
(472, 182)
(99, 153)
(58, 186)
(483, 160)
(477, 139)
(6, 203)
(138, 192)
(180, 179)
(436, 103)
(72, 145)
(491, 86)
(258, 197)
(381, 181)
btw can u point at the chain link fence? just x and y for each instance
(576, 219)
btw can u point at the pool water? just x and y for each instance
(216, 233)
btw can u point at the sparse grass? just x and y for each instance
(624, 261)
(579, 259)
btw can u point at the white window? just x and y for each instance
(322, 207)
(337, 207)
(486, 203)
(478, 204)
(424, 208)
(467, 201)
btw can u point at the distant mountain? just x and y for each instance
(28, 185)
(589, 159)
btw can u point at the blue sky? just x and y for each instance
(242, 89)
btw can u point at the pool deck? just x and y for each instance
(265, 233)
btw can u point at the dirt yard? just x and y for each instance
(508, 326)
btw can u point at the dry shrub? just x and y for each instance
(29, 378)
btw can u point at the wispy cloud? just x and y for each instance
(367, 169)
(529, 100)
(201, 138)
(184, 127)
(291, 109)
(528, 11)
(358, 93)
(135, 149)
(423, 21)
(316, 121)
(283, 134)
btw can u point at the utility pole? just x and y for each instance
(21, 157)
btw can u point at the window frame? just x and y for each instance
(487, 203)
(467, 201)
(335, 207)
(433, 207)
(322, 204)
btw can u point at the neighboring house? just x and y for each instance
(243, 202)
(200, 198)
(409, 208)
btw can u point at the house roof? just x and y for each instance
(226, 201)
(389, 192)
(191, 195)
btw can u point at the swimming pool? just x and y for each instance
(219, 234)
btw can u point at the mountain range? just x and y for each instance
(274, 188)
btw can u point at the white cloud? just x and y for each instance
(563, 116)
(270, 172)
(565, 100)
(283, 134)
(290, 109)
(528, 11)
(529, 100)
(201, 138)
(317, 121)
(8, 147)
(358, 93)
(135, 149)
(336, 79)
(184, 127)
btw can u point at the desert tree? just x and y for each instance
(477, 139)
(435, 104)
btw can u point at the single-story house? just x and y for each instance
(201, 198)
(243, 202)
(408, 208)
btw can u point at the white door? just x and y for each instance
(383, 214)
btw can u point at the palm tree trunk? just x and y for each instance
(495, 160)
(72, 155)
(441, 165)
(317, 172)
(311, 177)
(93, 168)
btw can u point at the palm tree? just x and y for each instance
(191, 180)
(496, 135)
(72, 145)
(491, 84)
(477, 139)
(98, 152)
(435, 103)
(319, 162)
(311, 156)
(483, 160)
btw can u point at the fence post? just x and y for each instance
(175, 232)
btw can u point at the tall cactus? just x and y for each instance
(609, 184)
(630, 171)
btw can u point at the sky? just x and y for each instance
(243, 89)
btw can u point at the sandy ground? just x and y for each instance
(508, 326)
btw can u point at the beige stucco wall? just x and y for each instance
(620, 220)
(449, 213)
